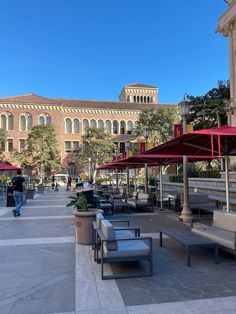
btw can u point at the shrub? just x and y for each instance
(178, 178)
(209, 174)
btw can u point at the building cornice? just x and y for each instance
(71, 110)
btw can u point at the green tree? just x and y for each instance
(3, 137)
(209, 110)
(98, 146)
(41, 150)
(160, 123)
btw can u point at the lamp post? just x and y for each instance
(146, 132)
(186, 213)
(89, 169)
(128, 144)
(116, 155)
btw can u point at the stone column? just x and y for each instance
(227, 27)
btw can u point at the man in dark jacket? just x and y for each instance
(18, 184)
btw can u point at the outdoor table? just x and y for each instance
(189, 240)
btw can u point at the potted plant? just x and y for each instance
(84, 218)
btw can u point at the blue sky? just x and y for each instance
(90, 49)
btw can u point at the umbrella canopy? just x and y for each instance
(213, 142)
(8, 167)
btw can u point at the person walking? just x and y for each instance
(18, 184)
(69, 180)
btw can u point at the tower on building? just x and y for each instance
(139, 93)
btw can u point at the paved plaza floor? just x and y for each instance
(43, 270)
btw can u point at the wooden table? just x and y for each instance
(189, 240)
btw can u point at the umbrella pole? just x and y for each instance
(127, 169)
(227, 182)
(161, 187)
(135, 179)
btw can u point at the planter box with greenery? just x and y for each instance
(84, 218)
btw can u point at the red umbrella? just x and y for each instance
(213, 142)
(8, 167)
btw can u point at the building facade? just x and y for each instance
(71, 118)
(227, 27)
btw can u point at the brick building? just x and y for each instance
(71, 117)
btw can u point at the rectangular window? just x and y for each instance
(67, 146)
(10, 145)
(22, 144)
(76, 148)
(122, 147)
(2, 146)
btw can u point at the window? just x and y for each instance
(45, 119)
(22, 144)
(115, 127)
(76, 146)
(22, 123)
(130, 127)
(71, 169)
(136, 124)
(100, 124)
(67, 146)
(26, 122)
(2, 146)
(122, 147)
(9, 144)
(7, 121)
(134, 98)
(68, 125)
(85, 126)
(122, 127)
(108, 126)
(76, 126)
(93, 123)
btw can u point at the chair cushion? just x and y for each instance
(143, 196)
(109, 234)
(99, 218)
(220, 236)
(129, 248)
(224, 220)
(124, 233)
(131, 203)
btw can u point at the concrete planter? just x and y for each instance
(29, 194)
(41, 189)
(84, 222)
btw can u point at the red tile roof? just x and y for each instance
(139, 85)
(76, 103)
(30, 98)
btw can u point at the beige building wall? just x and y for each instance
(227, 27)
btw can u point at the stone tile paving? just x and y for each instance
(173, 280)
(38, 278)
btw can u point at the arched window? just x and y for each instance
(130, 127)
(44, 119)
(26, 122)
(29, 122)
(134, 98)
(22, 123)
(141, 98)
(122, 127)
(48, 120)
(76, 126)
(85, 126)
(137, 98)
(7, 121)
(93, 123)
(145, 99)
(68, 125)
(115, 127)
(10, 121)
(100, 124)
(136, 124)
(148, 99)
(108, 126)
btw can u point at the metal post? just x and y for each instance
(186, 214)
(146, 171)
(161, 187)
(227, 182)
